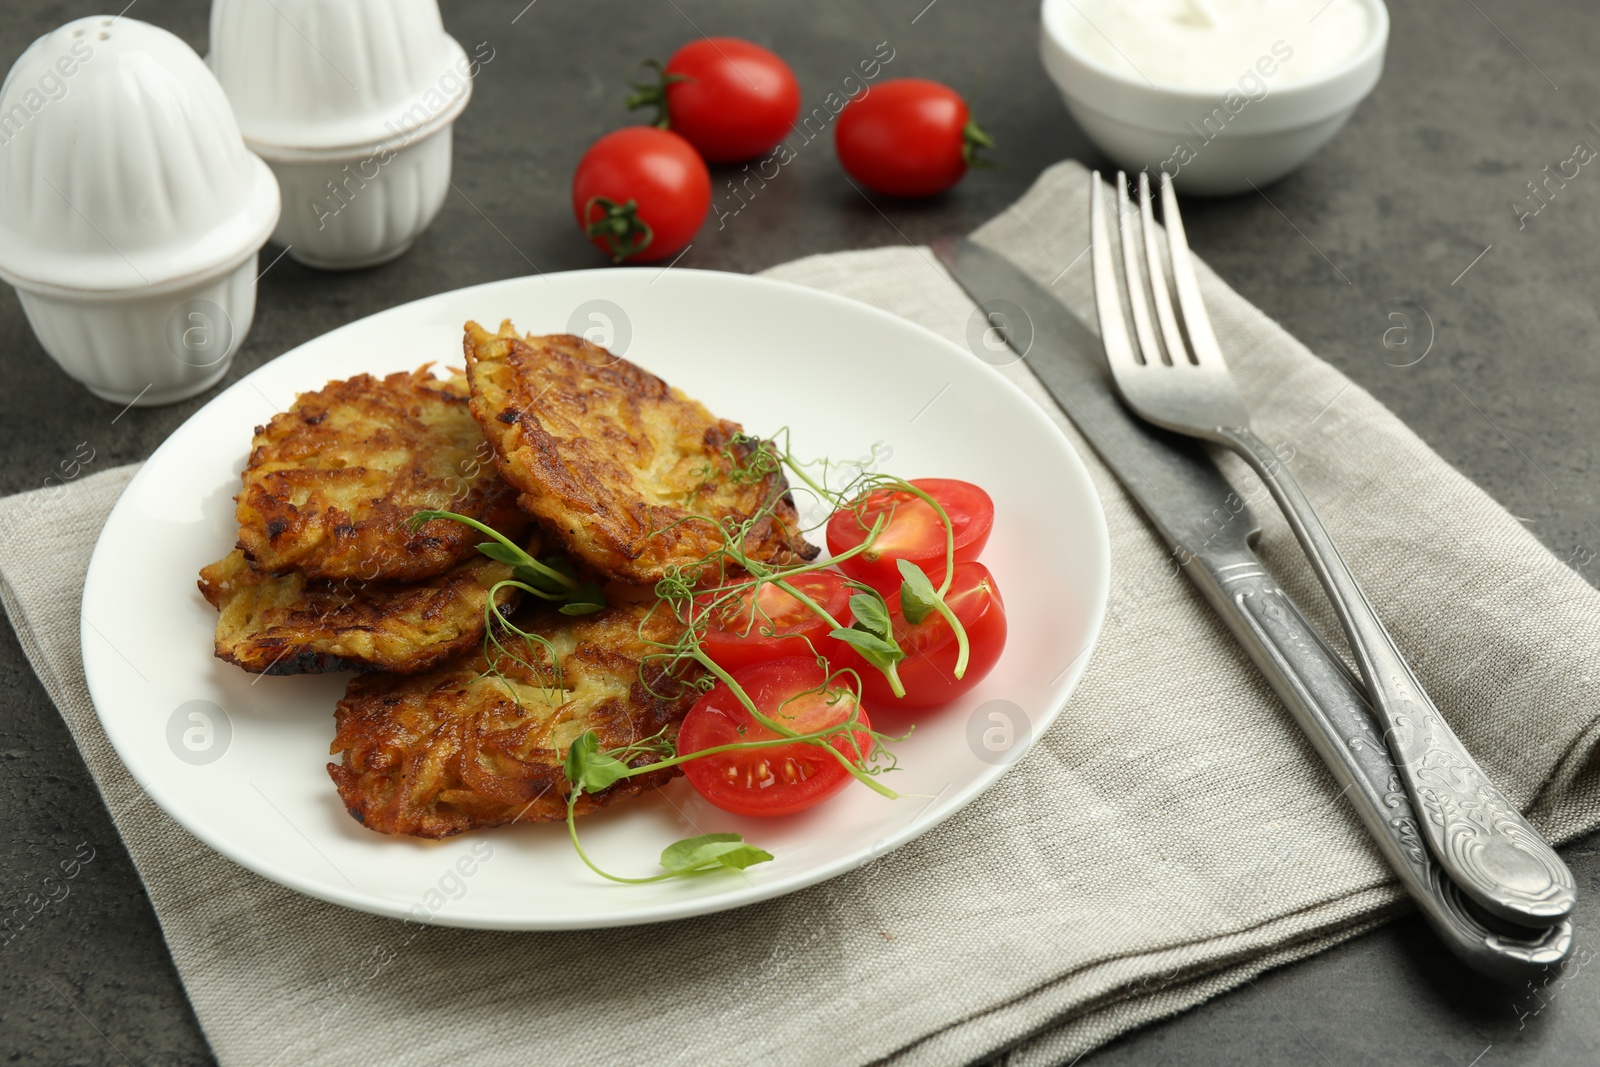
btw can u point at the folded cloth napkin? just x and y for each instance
(1170, 837)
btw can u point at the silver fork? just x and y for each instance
(1171, 372)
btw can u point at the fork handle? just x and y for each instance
(1478, 836)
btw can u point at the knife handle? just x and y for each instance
(1475, 831)
(1331, 707)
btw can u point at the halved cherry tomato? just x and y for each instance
(928, 671)
(772, 624)
(781, 779)
(731, 99)
(641, 193)
(912, 531)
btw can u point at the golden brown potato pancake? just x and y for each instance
(333, 481)
(460, 749)
(614, 461)
(295, 625)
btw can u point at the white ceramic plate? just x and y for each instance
(239, 760)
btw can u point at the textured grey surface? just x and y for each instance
(1381, 222)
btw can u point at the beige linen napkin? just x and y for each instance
(1171, 836)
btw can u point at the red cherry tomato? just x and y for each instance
(641, 193)
(731, 99)
(907, 137)
(772, 624)
(928, 671)
(912, 531)
(784, 778)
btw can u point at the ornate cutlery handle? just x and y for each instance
(1330, 706)
(1478, 836)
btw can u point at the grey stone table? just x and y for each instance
(1407, 213)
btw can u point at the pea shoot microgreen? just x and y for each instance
(553, 578)
(707, 593)
(873, 636)
(918, 598)
(917, 595)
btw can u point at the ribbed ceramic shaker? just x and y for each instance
(130, 210)
(351, 103)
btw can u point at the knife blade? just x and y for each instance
(1210, 529)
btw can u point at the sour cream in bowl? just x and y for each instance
(1220, 94)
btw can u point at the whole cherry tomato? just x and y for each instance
(780, 779)
(911, 530)
(731, 99)
(641, 193)
(908, 137)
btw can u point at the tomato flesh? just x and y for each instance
(661, 173)
(912, 531)
(735, 100)
(928, 671)
(772, 624)
(781, 779)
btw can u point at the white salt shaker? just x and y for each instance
(130, 210)
(351, 102)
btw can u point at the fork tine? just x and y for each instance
(1202, 342)
(1138, 291)
(1170, 332)
(1107, 297)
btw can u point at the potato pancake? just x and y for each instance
(631, 474)
(461, 748)
(297, 625)
(333, 481)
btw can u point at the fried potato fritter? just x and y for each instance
(461, 748)
(333, 481)
(630, 473)
(295, 625)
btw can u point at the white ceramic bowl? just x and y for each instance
(1208, 147)
(351, 103)
(130, 210)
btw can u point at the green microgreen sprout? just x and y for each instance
(553, 578)
(918, 598)
(873, 636)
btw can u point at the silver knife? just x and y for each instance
(1211, 529)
